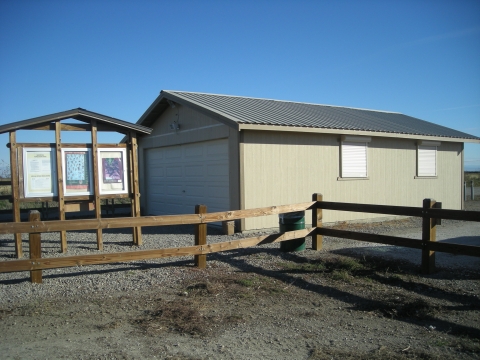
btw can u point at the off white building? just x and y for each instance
(230, 152)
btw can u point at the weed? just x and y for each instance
(245, 282)
(341, 275)
(303, 267)
(349, 265)
(178, 316)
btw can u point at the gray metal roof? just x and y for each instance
(77, 114)
(254, 111)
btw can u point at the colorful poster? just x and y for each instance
(112, 170)
(76, 164)
(77, 171)
(113, 177)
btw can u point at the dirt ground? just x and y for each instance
(259, 304)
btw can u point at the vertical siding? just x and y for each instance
(283, 168)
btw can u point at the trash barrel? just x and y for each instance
(289, 222)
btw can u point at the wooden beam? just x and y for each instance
(71, 127)
(60, 180)
(374, 238)
(270, 210)
(69, 145)
(125, 222)
(75, 198)
(35, 242)
(96, 259)
(137, 231)
(201, 237)
(402, 210)
(15, 192)
(317, 215)
(429, 234)
(96, 184)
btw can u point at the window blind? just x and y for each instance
(354, 159)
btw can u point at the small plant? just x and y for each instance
(245, 282)
(341, 275)
(350, 265)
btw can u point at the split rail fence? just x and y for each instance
(431, 212)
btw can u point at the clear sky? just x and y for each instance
(420, 58)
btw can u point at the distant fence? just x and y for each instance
(470, 191)
(430, 212)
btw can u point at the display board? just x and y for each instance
(77, 171)
(39, 174)
(112, 171)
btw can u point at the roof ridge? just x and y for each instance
(283, 101)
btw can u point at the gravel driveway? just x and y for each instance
(352, 300)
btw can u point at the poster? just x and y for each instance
(113, 171)
(38, 172)
(77, 171)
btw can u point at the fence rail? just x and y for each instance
(430, 212)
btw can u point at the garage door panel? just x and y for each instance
(193, 152)
(181, 176)
(217, 191)
(217, 149)
(194, 170)
(215, 170)
(170, 153)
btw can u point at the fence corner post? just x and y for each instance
(35, 240)
(201, 237)
(429, 234)
(317, 216)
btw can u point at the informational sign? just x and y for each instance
(39, 172)
(77, 171)
(113, 171)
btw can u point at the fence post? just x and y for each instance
(429, 233)
(35, 247)
(317, 216)
(201, 237)
(472, 192)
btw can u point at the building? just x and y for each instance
(231, 152)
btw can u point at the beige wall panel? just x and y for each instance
(284, 168)
(188, 119)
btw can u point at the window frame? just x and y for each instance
(347, 159)
(427, 151)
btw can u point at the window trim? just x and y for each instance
(424, 159)
(351, 141)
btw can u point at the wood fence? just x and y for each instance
(430, 212)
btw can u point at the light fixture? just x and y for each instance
(175, 126)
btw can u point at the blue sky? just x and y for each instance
(420, 58)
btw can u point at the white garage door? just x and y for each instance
(182, 176)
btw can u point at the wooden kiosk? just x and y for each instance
(78, 176)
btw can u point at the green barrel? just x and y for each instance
(289, 222)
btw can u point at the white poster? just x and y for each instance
(39, 172)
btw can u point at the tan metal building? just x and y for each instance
(231, 152)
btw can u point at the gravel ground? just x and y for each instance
(349, 300)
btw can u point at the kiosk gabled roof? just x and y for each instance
(77, 114)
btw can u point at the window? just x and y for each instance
(427, 159)
(354, 156)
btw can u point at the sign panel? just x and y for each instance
(39, 174)
(77, 171)
(113, 171)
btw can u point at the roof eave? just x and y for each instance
(77, 114)
(354, 132)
